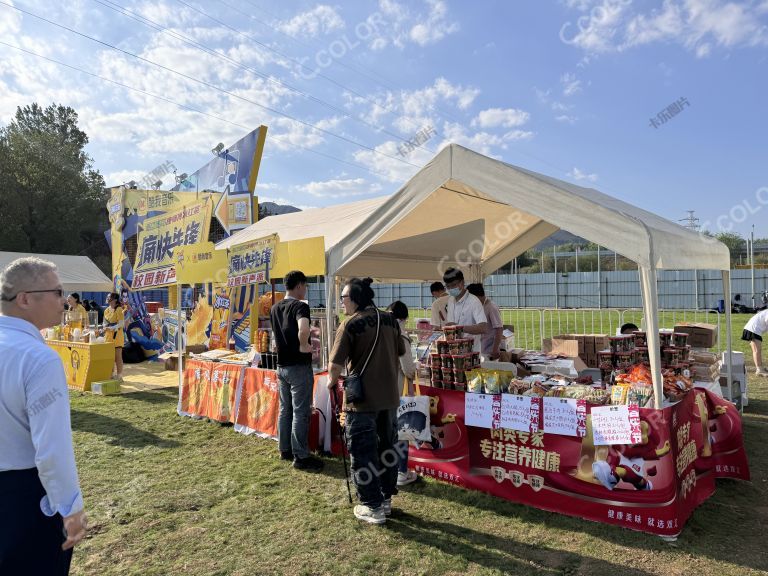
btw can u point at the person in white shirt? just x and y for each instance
(753, 331)
(41, 503)
(439, 306)
(464, 309)
(491, 340)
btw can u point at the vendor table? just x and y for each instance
(662, 479)
(85, 363)
(673, 470)
(244, 396)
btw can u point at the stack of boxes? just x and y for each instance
(737, 392)
(588, 346)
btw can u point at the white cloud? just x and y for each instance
(395, 24)
(436, 27)
(340, 188)
(506, 117)
(571, 85)
(565, 118)
(10, 23)
(322, 19)
(697, 25)
(579, 175)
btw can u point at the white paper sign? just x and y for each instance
(560, 416)
(610, 425)
(478, 410)
(516, 412)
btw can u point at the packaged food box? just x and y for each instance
(106, 387)
(700, 335)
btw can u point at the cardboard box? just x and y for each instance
(106, 387)
(700, 335)
(736, 357)
(171, 360)
(567, 348)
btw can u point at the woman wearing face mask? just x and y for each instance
(407, 372)
(114, 321)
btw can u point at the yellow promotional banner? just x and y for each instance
(158, 238)
(200, 264)
(252, 262)
(307, 255)
(143, 202)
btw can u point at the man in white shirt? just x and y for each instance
(439, 306)
(491, 340)
(752, 333)
(464, 309)
(41, 503)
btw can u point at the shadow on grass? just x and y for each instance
(121, 432)
(503, 554)
(158, 396)
(703, 535)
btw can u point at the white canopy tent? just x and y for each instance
(470, 211)
(77, 273)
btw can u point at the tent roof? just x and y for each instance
(468, 210)
(77, 273)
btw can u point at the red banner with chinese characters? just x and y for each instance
(652, 486)
(225, 378)
(195, 388)
(259, 403)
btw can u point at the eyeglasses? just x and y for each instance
(59, 293)
(341, 298)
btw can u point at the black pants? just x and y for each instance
(371, 438)
(30, 541)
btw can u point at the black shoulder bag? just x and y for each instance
(353, 383)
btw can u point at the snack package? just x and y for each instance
(505, 379)
(492, 382)
(474, 381)
(619, 394)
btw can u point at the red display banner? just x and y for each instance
(653, 485)
(225, 379)
(195, 388)
(259, 403)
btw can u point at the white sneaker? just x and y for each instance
(761, 372)
(370, 515)
(387, 507)
(408, 478)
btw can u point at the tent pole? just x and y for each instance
(179, 339)
(728, 334)
(650, 309)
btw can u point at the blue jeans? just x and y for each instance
(296, 384)
(371, 439)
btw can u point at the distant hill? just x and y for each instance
(272, 209)
(558, 238)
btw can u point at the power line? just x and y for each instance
(238, 64)
(183, 106)
(209, 85)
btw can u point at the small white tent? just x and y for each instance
(77, 273)
(466, 210)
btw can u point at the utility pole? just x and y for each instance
(752, 262)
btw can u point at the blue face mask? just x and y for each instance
(454, 292)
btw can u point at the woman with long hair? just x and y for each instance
(114, 324)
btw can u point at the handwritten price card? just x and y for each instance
(610, 425)
(478, 410)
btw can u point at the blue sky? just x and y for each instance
(567, 88)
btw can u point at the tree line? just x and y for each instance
(52, 200)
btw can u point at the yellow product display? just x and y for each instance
(85, 363)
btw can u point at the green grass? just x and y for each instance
(170, 495)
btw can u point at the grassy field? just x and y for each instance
(170, 495)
